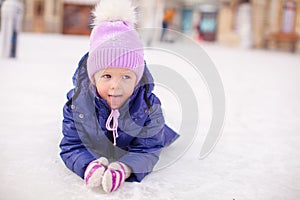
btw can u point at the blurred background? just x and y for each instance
(261, 24)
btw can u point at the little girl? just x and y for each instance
(113, 127)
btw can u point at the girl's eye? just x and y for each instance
(106, 76)
(126, 77)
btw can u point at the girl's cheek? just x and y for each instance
(100, 90)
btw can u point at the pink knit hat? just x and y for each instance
(114, 42)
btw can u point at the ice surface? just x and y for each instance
(257, 156)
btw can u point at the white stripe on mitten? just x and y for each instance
(94, 172)
(115, 176)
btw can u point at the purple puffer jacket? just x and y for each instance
(142, 129)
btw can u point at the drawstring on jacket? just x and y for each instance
(114, 116)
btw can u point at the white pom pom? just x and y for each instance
(113, 10)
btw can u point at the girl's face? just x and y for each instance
(115, 85)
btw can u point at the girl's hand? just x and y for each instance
(115, 176)
(94, 172)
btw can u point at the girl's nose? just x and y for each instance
(116, 84)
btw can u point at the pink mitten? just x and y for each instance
(114, 176)
(94, 171)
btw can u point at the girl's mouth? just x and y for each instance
(115, 101)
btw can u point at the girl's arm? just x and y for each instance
(73, 152)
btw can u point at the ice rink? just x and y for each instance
(256, 158)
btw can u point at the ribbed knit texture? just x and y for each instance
(115, 45)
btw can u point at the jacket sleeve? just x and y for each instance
(145, 149)
(73, 152)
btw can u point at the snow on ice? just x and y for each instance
(257, 156)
